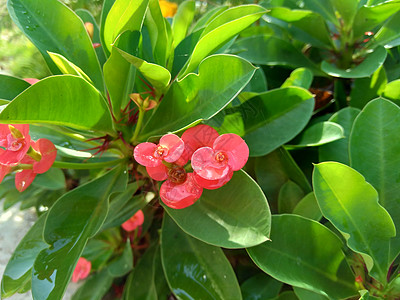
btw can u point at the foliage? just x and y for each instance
(303, 95)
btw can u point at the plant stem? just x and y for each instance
(84, 166)
(138, 125)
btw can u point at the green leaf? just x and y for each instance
(366, 296)
(368, 17)
(293, 254)
(260, 286)
(124, 15)
(339, 150)
(366, 89)
(122, 264)
(322, 7)
(308, 207)
(303, 294)
(95, 287)
(195, 270)
(219, 31)
(374, 153)
(18, 270)
(70, 222)
(10, 86)
(107, 5)
(289, 196)
(60, 100)
(304, 25)
(119, 74)
(43, 22)
(86, 16)
(368, 66)
(392, 91)
(269, 123)
(262, 49)
(274, 170)
(141, 283)
(199, 97)
(220, 218)
(98, 252)
(158, 76)
(351, 204)
(301, 77)
(67, 67)
(387, 35)
(53, 179)
(182, 20)
(318, 134)
(347, 10)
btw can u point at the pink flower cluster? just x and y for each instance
(19, 152)
(213, 158)
(82, 269)
(134, 222)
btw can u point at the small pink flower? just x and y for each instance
(180, 195)
(134, 222)
(16, 141)
(228, 153)
(169, 149)
(82, 269)
(31, 80)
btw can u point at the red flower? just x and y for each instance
(229, 153)
(134, 222)
(48, 152)
(169, 149)
(16, 141)
(82, 269)
(180, 195)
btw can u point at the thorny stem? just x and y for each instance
(138, 125)
(85, 166)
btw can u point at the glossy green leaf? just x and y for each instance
(373, 153)
(18, 270)
(124, 15)
(260, 286)
(199, 97)
(122, 264)
(95, 287)
(304, 294)
(53, 179)
(60, 100)
(11, 86)
(388, 35)
(366, 296)
(70, 222)
(368, 66)
(366, 89)
(158, 76)
(304, 25)
(195, 270)
(339, 150)
(98, 252)
(301, 77)
(368, 17)
(219, 31)
(182, 20)
(220, 217)
(269, 123)
(322, 7)
(347, 10)
(86, 16)
(392, 91)
(318, 134)
(44, 24)
(119, 74)
(293, 253)
(140, 284)
(67, 67)
(208, 16)
(289, 196)
(351, 204)
(272, 51)
(308, 207)
(107, 5)
(274, 170)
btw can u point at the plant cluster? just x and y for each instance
(206, 152)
